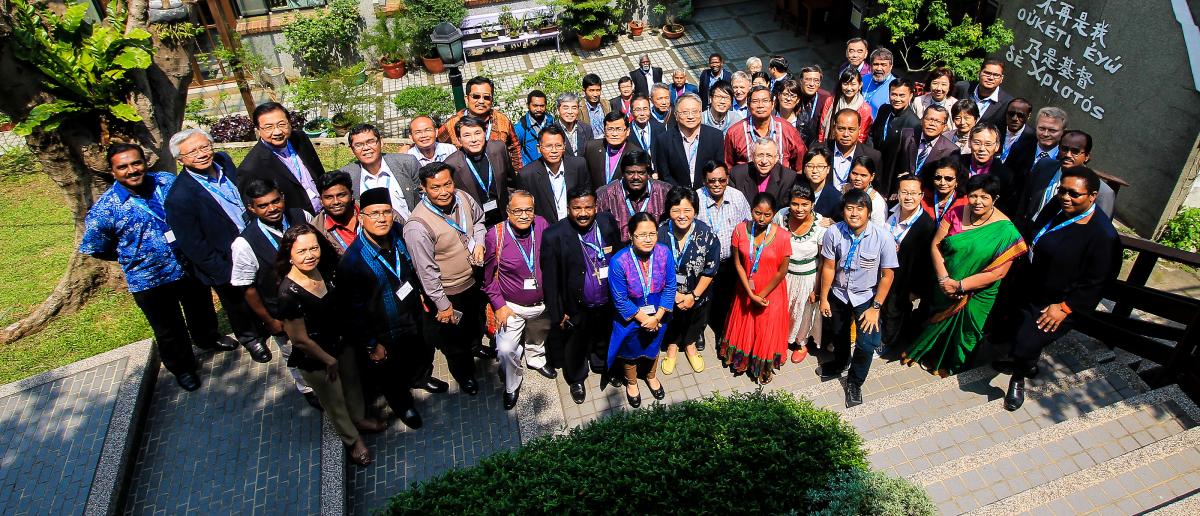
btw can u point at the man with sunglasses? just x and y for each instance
(1040, 189)
(1018, 133)
(497, 126)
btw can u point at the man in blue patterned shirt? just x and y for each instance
(128, 224)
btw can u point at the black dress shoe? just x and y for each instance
(258, 352)
(469, 386)
(658, 394)
(510, 399)
(578, 393)
(700, 343)
(829, 373)
(225, 343)
(853, 395)
(313, 401)
(189, 381)
(411, 418)
(1015, 397)
(634, 401)
(617, 381)
(484, 352)
(432, 384)
(546, 371)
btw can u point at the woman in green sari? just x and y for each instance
(973, 249)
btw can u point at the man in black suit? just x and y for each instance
(812, 97)
(715, 72)
(984, 142)
(681, 152)
(645, 76)
(764, 166)
(777, 70)
(1018, 132)
(1041, 188)
(284, 156)
(577, 134)
(481, 169)
(1048, 131)
(623, 103)
(644, 128)
(574, 258)
(552, 176)
(913, 230)
(893, 117)
(206, 213)
(927, 144)
(603, 156)
(846, 148)
(991, 100)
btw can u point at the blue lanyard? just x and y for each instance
(219, 190)
(907, 225)
(938, 214)
(644, 279)
(486, 187)
(267, 231)
(397, 250)
(678, 250)
(645, 202)
(1050, 189)
(886, 123)
(291, 161)
(528, 258)
(692, 151)
(339, 238)
(597, 247)
(643, 137)
(854, 242)
(773, 133)
(454, 224)
(144, 204)
(756, 251)
(1047, 229)
(661, 119)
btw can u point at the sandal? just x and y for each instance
(799, 355)
(361, 460)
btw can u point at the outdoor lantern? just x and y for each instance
(448, 40)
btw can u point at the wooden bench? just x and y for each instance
(473, 27)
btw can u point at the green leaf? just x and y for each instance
(41, 114)
(125, 112)
(74, 16)
(133, 58)
(138, 33)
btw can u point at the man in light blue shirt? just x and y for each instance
(875, 90)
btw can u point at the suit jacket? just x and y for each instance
(687, 88)
(404, 168)
(536, 180)
(1021, 156)
(595, 156)
(707, 76)
(563, 264)
(639, 80)
(262, 163)
(1034, 188)
(584, 117)
(810, 129)
(670, 158)
(779, 184)
(203, 232)
(915, 274)
(502, 174)
(777, 84)
(906, 157)
(502, 130)
(995, 112)
(888, 142)
(829, 202)
(1009, 195)
(582, 131)
(656, 128)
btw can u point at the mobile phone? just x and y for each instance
(456, 317)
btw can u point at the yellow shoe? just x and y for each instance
(668, 365)
(697, 362)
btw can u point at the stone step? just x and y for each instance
(1188, 505)
(966, 430)
(1018, 464)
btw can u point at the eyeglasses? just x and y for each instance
(909, 194)
(991, 75)
(378, 215)
(646, 237)
(945, 179)
(717, 180)
(614, 130)
(521, 211)
(815, 168)
(688, 112)
(1017, 114)
(476, 96)
(198, 151)
(366, 144)
(281, 125)
(1072, 193)
(552, 146)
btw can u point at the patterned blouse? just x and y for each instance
(700, 257)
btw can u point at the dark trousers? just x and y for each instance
(458, 340)
(584, 343)
(836, 328)
(724, 288)
(1028, 341)
(247, 328)
(896, 318)
(393, 376)
(175, 311)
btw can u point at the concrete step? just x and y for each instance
(1029, 462)
(1188, 505)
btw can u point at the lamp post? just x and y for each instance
(448, 41)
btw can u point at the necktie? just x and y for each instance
(1041, 155)
(922, 155)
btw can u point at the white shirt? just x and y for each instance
(899, 228)
(691, 150)
(558, 188)
(987, 102)
(644, 137)
(841, 167)
(440, 152)
(385, 179)
(245, 263)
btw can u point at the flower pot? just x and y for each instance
(341, 124)
(317, 127)
(548, 29)
(433, 64)
(672, 31)
(636, 28)
(394, 70)
(489, 36)
(589, 44)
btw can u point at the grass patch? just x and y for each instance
(37, 244)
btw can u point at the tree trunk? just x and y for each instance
(73, 155)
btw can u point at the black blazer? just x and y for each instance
(536, 180)
(812, 128)
(595, 157)
(563, 264)
(639, 82)
(502, 174)
(656, 128)
(906, 157)
(1008, 195)
(995, 113)
(203, 232)
(262, 163)
(670, 158)
(1031, 193)
(1020, 156)
(615, 104)
(829, 203)
(915, 274)
(779, 184)
(889, 142)
(706, 76)
(583, 132)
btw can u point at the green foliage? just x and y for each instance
(243, 59)
(588, 18)
(86, 64)
(940, 42)
(868, 493)
(1183, 231)
(177, 33)
(674, 12)
(433, 101)
(553, 79)
(391, 38)
(754, 453)
(339, 91)
(195, 111)
(427, 14)
(325, 39)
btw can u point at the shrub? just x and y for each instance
(432, 101)
(233, 128)
(18, 161)
(325, 39)
(554, 78)
(752, 453)
(856, 491)
(1183, 231)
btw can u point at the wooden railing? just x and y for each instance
(1174, 344)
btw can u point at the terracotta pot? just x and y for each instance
(433, 64)
(589, 44)
(394, 70)
(636, 28)
(673, 34)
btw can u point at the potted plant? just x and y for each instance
(427, 14)
(543, 22)
(590, 20)
(391, 38)
(637, 13)
(490, 33)
(317, 127)
(432, 101)
(675, 12)
(512, 26)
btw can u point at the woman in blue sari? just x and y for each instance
(642, 280)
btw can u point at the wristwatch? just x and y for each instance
(875, 304)
(695, 297)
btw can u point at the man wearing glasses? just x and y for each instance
(497, 126)
(1074, 150)
(918, 146)
(681, 151)
(986, 93)
(808, 120)
(763, 123)
(553, 175)
(604, 155)
(374, 169)
(635, 192)
(285, 157)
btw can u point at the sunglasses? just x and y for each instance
(476, 96)
(1072, 193)
(946, 179)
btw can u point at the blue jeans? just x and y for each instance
(836, 328)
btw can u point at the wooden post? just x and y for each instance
(227, 30)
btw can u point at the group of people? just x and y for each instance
(606, 237)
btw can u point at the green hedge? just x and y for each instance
(750, 453)
(868, 493)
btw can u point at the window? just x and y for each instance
(257, 7)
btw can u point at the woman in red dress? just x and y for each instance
(756, 337)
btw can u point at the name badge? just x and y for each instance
(530, 284)
(648, 309)
(490, 205)
(471, 245)
(681, 279)
(404, 290)
(607, 249)
(602, 273)
(170, 236)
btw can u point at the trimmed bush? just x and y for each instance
(747, 454)
(868, 493)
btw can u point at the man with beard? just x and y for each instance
(645, 76)
(531, 125)
(635, 192)
(338, 220)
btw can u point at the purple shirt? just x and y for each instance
(595, 289)
(504, 276)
